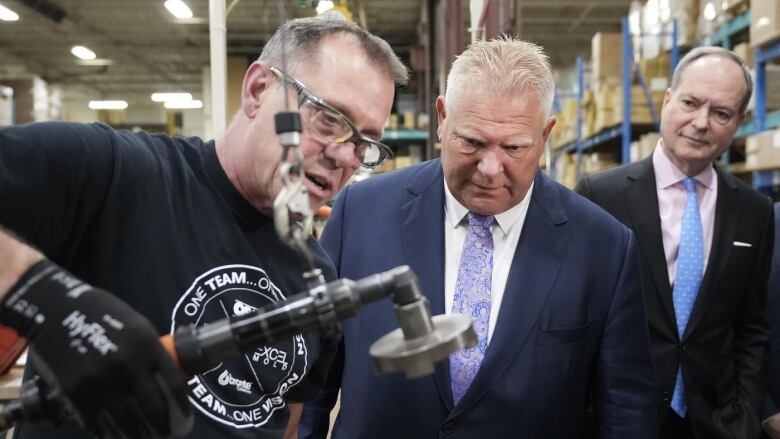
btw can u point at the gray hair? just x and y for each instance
(300, 39)
(507, 65)
(701, 52)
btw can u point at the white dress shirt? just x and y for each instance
(506, 233)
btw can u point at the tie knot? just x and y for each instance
(483, 221)
(690, 184)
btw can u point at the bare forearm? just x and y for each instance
(296, 408)
(15, 258)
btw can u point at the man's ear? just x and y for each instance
(257, 79)
(548, 126)
(441, 112)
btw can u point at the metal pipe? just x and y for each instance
(218, 51)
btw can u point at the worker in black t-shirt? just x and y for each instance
(173, 231)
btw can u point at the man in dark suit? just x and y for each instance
(492, 237)
(706, 243)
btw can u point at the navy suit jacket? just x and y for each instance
(571, 324)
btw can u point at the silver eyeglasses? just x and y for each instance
(330, 125)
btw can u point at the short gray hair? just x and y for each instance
(507, 65)
(701, 52)
(300, 39)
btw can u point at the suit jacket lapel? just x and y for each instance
(423, 219)
(535, 267)
(727, 208)
(642, 200)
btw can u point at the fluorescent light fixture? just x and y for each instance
(7, 14)
(97, 62)
(709, 11)
(184, 105)
(107, 105)
(178, 8)
(163, 97)
(762, 22)
(82, 52)
(324, 6)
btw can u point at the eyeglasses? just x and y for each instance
(330, 125)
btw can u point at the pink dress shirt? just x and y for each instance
(671, 203)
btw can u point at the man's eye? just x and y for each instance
(330, 118)
(687, 102)
(722, 116)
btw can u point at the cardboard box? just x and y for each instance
(762, 150)
(402, 161)
(771, 89)
(686, 12)
(597, 161)
(764, 21)
(744, 51)
(606, 54)
(644, 146)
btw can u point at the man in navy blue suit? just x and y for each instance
(551, 281)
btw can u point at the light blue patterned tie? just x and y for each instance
(690, 263)
(472, 297)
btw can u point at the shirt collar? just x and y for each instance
(667, 174)
(455, 212)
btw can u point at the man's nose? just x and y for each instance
(701, 119)
(490, 163)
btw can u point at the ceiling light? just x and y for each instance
(97, 62)
(709, 11)
(178, 8)
(323, 6)
(163, 97)
(82, 52)
(7, 14)
(184, 105)
(107, 105)
(762, 22)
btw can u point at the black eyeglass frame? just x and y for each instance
(385, 152)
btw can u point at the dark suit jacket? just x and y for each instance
(723, 352)
(773, 317)
(571, 320)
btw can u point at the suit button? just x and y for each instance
(684, 347)
(448, 428)
(666, 396)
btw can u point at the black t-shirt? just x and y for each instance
(155, 220)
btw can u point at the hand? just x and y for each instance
(771, 426)
(104, 357)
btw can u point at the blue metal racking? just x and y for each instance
(624, 130)
(628, 66)
(722, 35)
(761, 120)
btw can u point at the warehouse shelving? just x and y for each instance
(626, 129)
(723, 34)
(761, 120)
(405, 135)
(628, 63)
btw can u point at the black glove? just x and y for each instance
(104, 357)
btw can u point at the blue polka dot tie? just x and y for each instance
(472, 298)
(690, 263)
